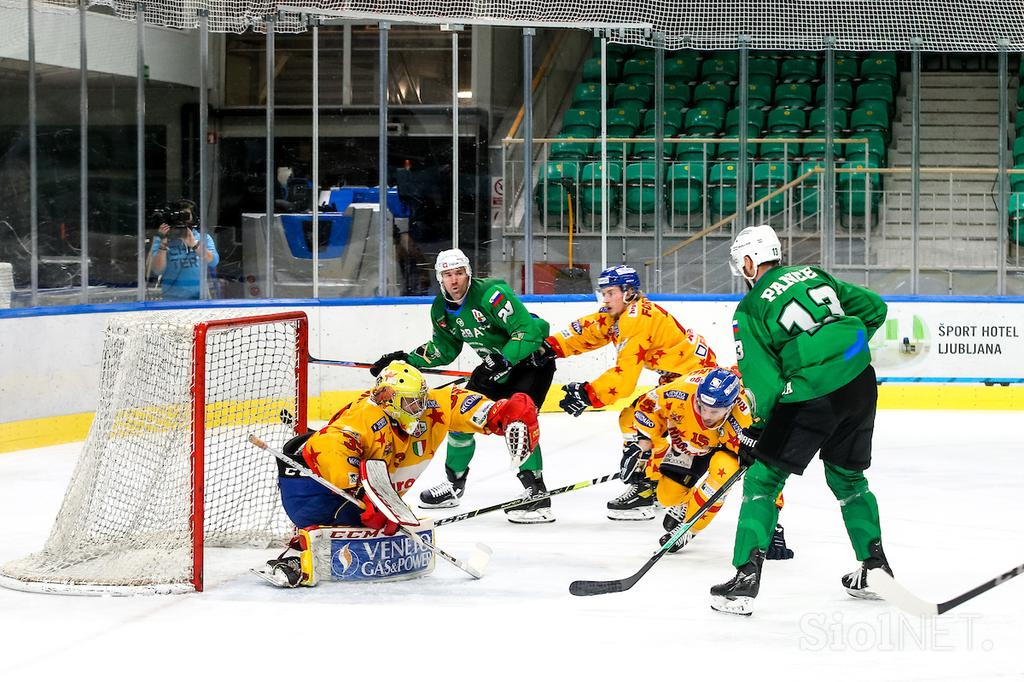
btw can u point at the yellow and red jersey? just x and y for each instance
(668, 415)
(644, 336)
(361, 430)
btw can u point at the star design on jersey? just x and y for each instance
(380, 439)
(617, 369)
(657, 355)
(612, 391)
(734, 443)
(311, 457)
(721, 472)
(435, 415)
(641, 354)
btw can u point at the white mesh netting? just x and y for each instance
(125, 519)
(965, 25)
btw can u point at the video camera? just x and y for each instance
(178, 214)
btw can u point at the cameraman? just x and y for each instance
(177, 252)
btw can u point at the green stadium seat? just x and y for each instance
(793, 95)
(1020, 96)
(614, 50)
(1016, 211)
(685, 188)
(876, 95)
(760, 91)
(877, 148)
(568, 149)
(592, 70)
(703, 121)
(1017, 179)
(844, 68)
(643, 53)
(816, 121)
(842, 94)
(719, 68)
(591, 179)
(763, 67)
(816, 150)
(786, 120)
(798, 70)
(1018, 124)
(712, 92)
(623, 122)
(850, 190)
(805, 195)
(676, 96)
(730, 151)
(588, 96)
(1018, 151)
(778, 151)
(768, 177)
(556, 186)
(682, 67)
(722, 188)
(870, 120)
(693, 151)
(672, 121)
(581, 122)
(638, 71)
(632, 92)
(755, 123)
(641, 187)
(879, 66)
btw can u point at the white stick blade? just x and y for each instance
(479, 559)
(891, 591)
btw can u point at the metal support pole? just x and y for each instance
(33, 165)
(742, 179)
(1002, 219)
(604, 150)
(915, 164)
(826, 181)
(316, 157)
(455, 135)
(204, 120)
(659, 155)
(382, 156)
(528, 34)
(346, 66)
(268, 284)
(140, 148)
(83, 150)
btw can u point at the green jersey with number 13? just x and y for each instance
(801, 333)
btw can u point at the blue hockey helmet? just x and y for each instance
(621, 276)
(716, 394)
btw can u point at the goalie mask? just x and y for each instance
(401, 392)
(716, 395)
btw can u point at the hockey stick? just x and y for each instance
(474, 566)
(586, 588)
(891, 591)
(368, 365)
(521, 501)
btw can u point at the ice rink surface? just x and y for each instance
(950, 487)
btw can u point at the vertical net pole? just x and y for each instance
(455, 137)
(915, 165)
(1002, 218)
(33, 166)
(826, 180)
(604, 150)
(659, 153)
(268, 284)
(196, 522)
(140, 147)
(528, 158)
(382, 156)
(83, 153)
(204, 115)
(742, 179)
(316, 157)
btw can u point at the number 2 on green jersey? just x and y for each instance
(796, 316)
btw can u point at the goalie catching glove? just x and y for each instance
(516, 419)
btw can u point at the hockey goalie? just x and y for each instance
(399, 424)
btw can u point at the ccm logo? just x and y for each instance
(354, 534)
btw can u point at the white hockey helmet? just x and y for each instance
(449, 260)
(759, 243)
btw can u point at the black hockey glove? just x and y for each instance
(634, 461)
(576, 398)
(386, 360)
(748, 439)
(542, 356)
(493, 368)
(777, 550)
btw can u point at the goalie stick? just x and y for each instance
(587, 588)
(520, 501)
(474, 566)
(894, 593)
(368, 365)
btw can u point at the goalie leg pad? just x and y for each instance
(349, 554)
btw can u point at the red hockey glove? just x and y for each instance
(518, 408)
(372, 518)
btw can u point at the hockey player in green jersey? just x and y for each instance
(485, 314)
(802, 348)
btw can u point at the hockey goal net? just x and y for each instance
(166, 467)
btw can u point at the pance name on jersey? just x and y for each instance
(787, 280)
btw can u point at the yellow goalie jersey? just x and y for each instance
(361, 430)
(644, 336)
